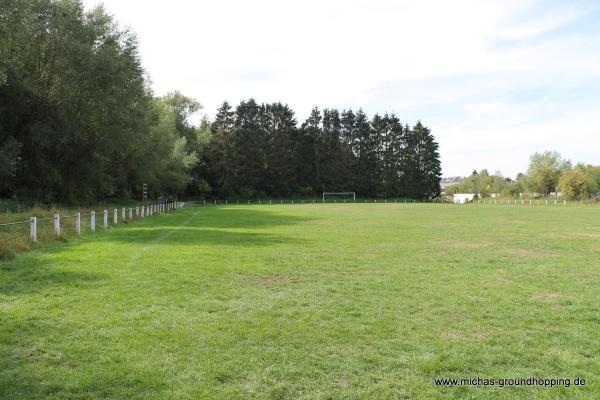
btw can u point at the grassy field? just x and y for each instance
(309, 302)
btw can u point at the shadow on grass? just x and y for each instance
(196, 237)
(238, 217)
(30, 273)
(30, 324)
(36, 362)
(210, 226)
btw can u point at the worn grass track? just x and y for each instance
(308, 302)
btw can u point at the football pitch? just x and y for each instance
(324, 301)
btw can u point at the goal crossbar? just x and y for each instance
(339, 193)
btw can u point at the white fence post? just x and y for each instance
(105, 222)
(137, 212)
(142, 212)
(123, 214)
(131, 214)
(78, 223)
(57, 225)
(33, 229)
(93, 221)
(115, 216)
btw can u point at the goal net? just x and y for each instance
(342, 196)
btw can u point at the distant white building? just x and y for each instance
(453, 180)
(463, 197)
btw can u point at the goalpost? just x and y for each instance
(349, 194)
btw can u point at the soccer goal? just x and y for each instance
(339, 195)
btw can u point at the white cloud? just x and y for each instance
(483, 75)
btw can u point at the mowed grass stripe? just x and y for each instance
(314, 301)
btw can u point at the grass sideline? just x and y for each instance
(308, 302)
(15, 239)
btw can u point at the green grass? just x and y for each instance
(308, 302)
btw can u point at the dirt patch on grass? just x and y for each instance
(343, 382)
(468, 245)
(482, 334)
(548, 297)
(272, 280)
(517, 251)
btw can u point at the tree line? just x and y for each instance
(79, 123)
(548, 174)
(259, 150)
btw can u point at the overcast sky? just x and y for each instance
(495, 81)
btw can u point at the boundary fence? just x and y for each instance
(531, 202)
(126, 215)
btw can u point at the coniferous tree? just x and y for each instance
(423, 165)
(280, 148)
(248, 164)
(367, 165)
(220, 151)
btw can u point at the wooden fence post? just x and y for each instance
(93, 221)
(105, 222)
(33, 229)
(57, 225)
(131, 214)
(123, 214)
(78, 223)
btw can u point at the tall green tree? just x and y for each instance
(545, 170)
(422, 163)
